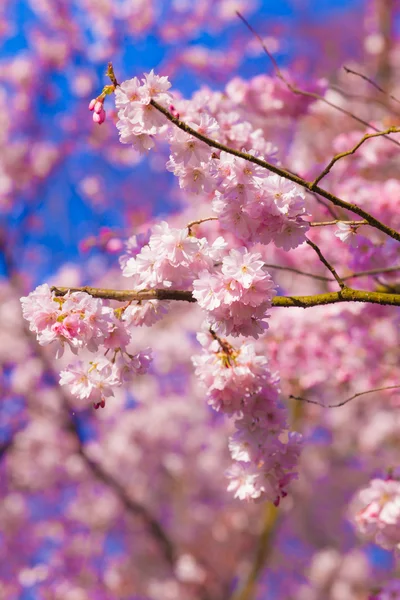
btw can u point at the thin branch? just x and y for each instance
(326, 205)
(372, 82)
(344, 295)
(199, 222)
(343, 402)
(345, 278)
(127, 295)
(327, 264)
(372, 272)
(365, 99)
(298, 272)
(131, 505)
(337, 157)
(154, 527)
(336, 221)
(306, 93)
(110, 73)
(391, 288)
(279, 171)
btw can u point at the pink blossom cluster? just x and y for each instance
(251, 203)
(234, 289)
(138, 120)
(81, 322)
(240, 385)
(258, 207)
(171, 259)
(376, 510)
(237, 295)
(134, 508)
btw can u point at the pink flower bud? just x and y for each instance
(98, 106)
(99, 117)
(92, 104)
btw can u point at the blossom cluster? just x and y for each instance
(240, 385)
(251, 203)
(80, 322)
(234, 289)
(377, 512)
(138, 120)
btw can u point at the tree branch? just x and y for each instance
(336, 221)
(372, 272)
(336, 158)
(279, 171)
(298, 272)
(323, 278)
(306, 93)
(372, 82)
(131, 505)
(326, 263)
(139, 510)
(344, 295)
(343, 402)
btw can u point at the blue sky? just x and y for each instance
(66, 215)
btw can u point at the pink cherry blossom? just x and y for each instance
(377, 512)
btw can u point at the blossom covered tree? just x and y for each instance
(214, 412)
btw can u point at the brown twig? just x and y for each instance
(127, 295)
(341, 155)
(136, 508)
(344, 295)
(372, 82)
(298, 272)
(323, 278)
(279, 171)
(336, 221)
(199, 222)
(327, 264)
(343, 402)
(372, 272)
(154, 527)
(306, 93)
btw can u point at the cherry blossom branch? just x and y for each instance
(372, 272)
(153, 526)
(341, 155)
(364, 98)
(298, 272)
(371, 82)
(323, 278)
(343, 402)
(279, 171)
(326, 263)
(127, 295)
(306, 93)
(131, 505)
(336, 221)
(344, 295)
(199, 221)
